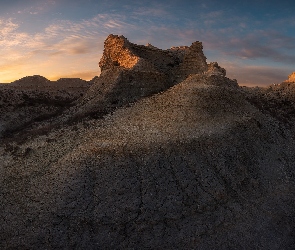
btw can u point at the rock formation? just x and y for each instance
(215, 69)
(143, 70)
(176, 63)
(291, 77)
(161, 151)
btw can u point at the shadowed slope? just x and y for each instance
(197, 166)
(33, 99)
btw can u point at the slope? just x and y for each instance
(197, 166)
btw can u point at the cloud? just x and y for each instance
(72, 46)
(37, 7)
(234, 53)
(270, 45)
(256, 75)
(7, 27)
(213, 15)
(63, 36)
(155, 11)
(61, 48)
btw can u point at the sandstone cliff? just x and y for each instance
(146, 160)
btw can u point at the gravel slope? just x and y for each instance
(199, 166)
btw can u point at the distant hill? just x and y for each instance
(43, 83)
(30, 80)
(161, 151)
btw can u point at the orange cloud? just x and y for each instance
(255, 75)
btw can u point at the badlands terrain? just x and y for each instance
(161, 151)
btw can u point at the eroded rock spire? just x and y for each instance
(176, 63)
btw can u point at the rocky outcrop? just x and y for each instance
(291, 77)
(143, 71)
(176, 63)
(215, 69)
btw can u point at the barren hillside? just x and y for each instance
(162, 151)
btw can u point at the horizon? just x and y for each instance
(253, 41)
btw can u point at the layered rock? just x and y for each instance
(176, 63)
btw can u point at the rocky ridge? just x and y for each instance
(154, 156)
(33, 99)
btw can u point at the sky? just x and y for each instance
(253, 40)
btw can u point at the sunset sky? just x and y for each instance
(253, 40)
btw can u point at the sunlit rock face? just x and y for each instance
(176, 63)
(291, 77)
(161, 151)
